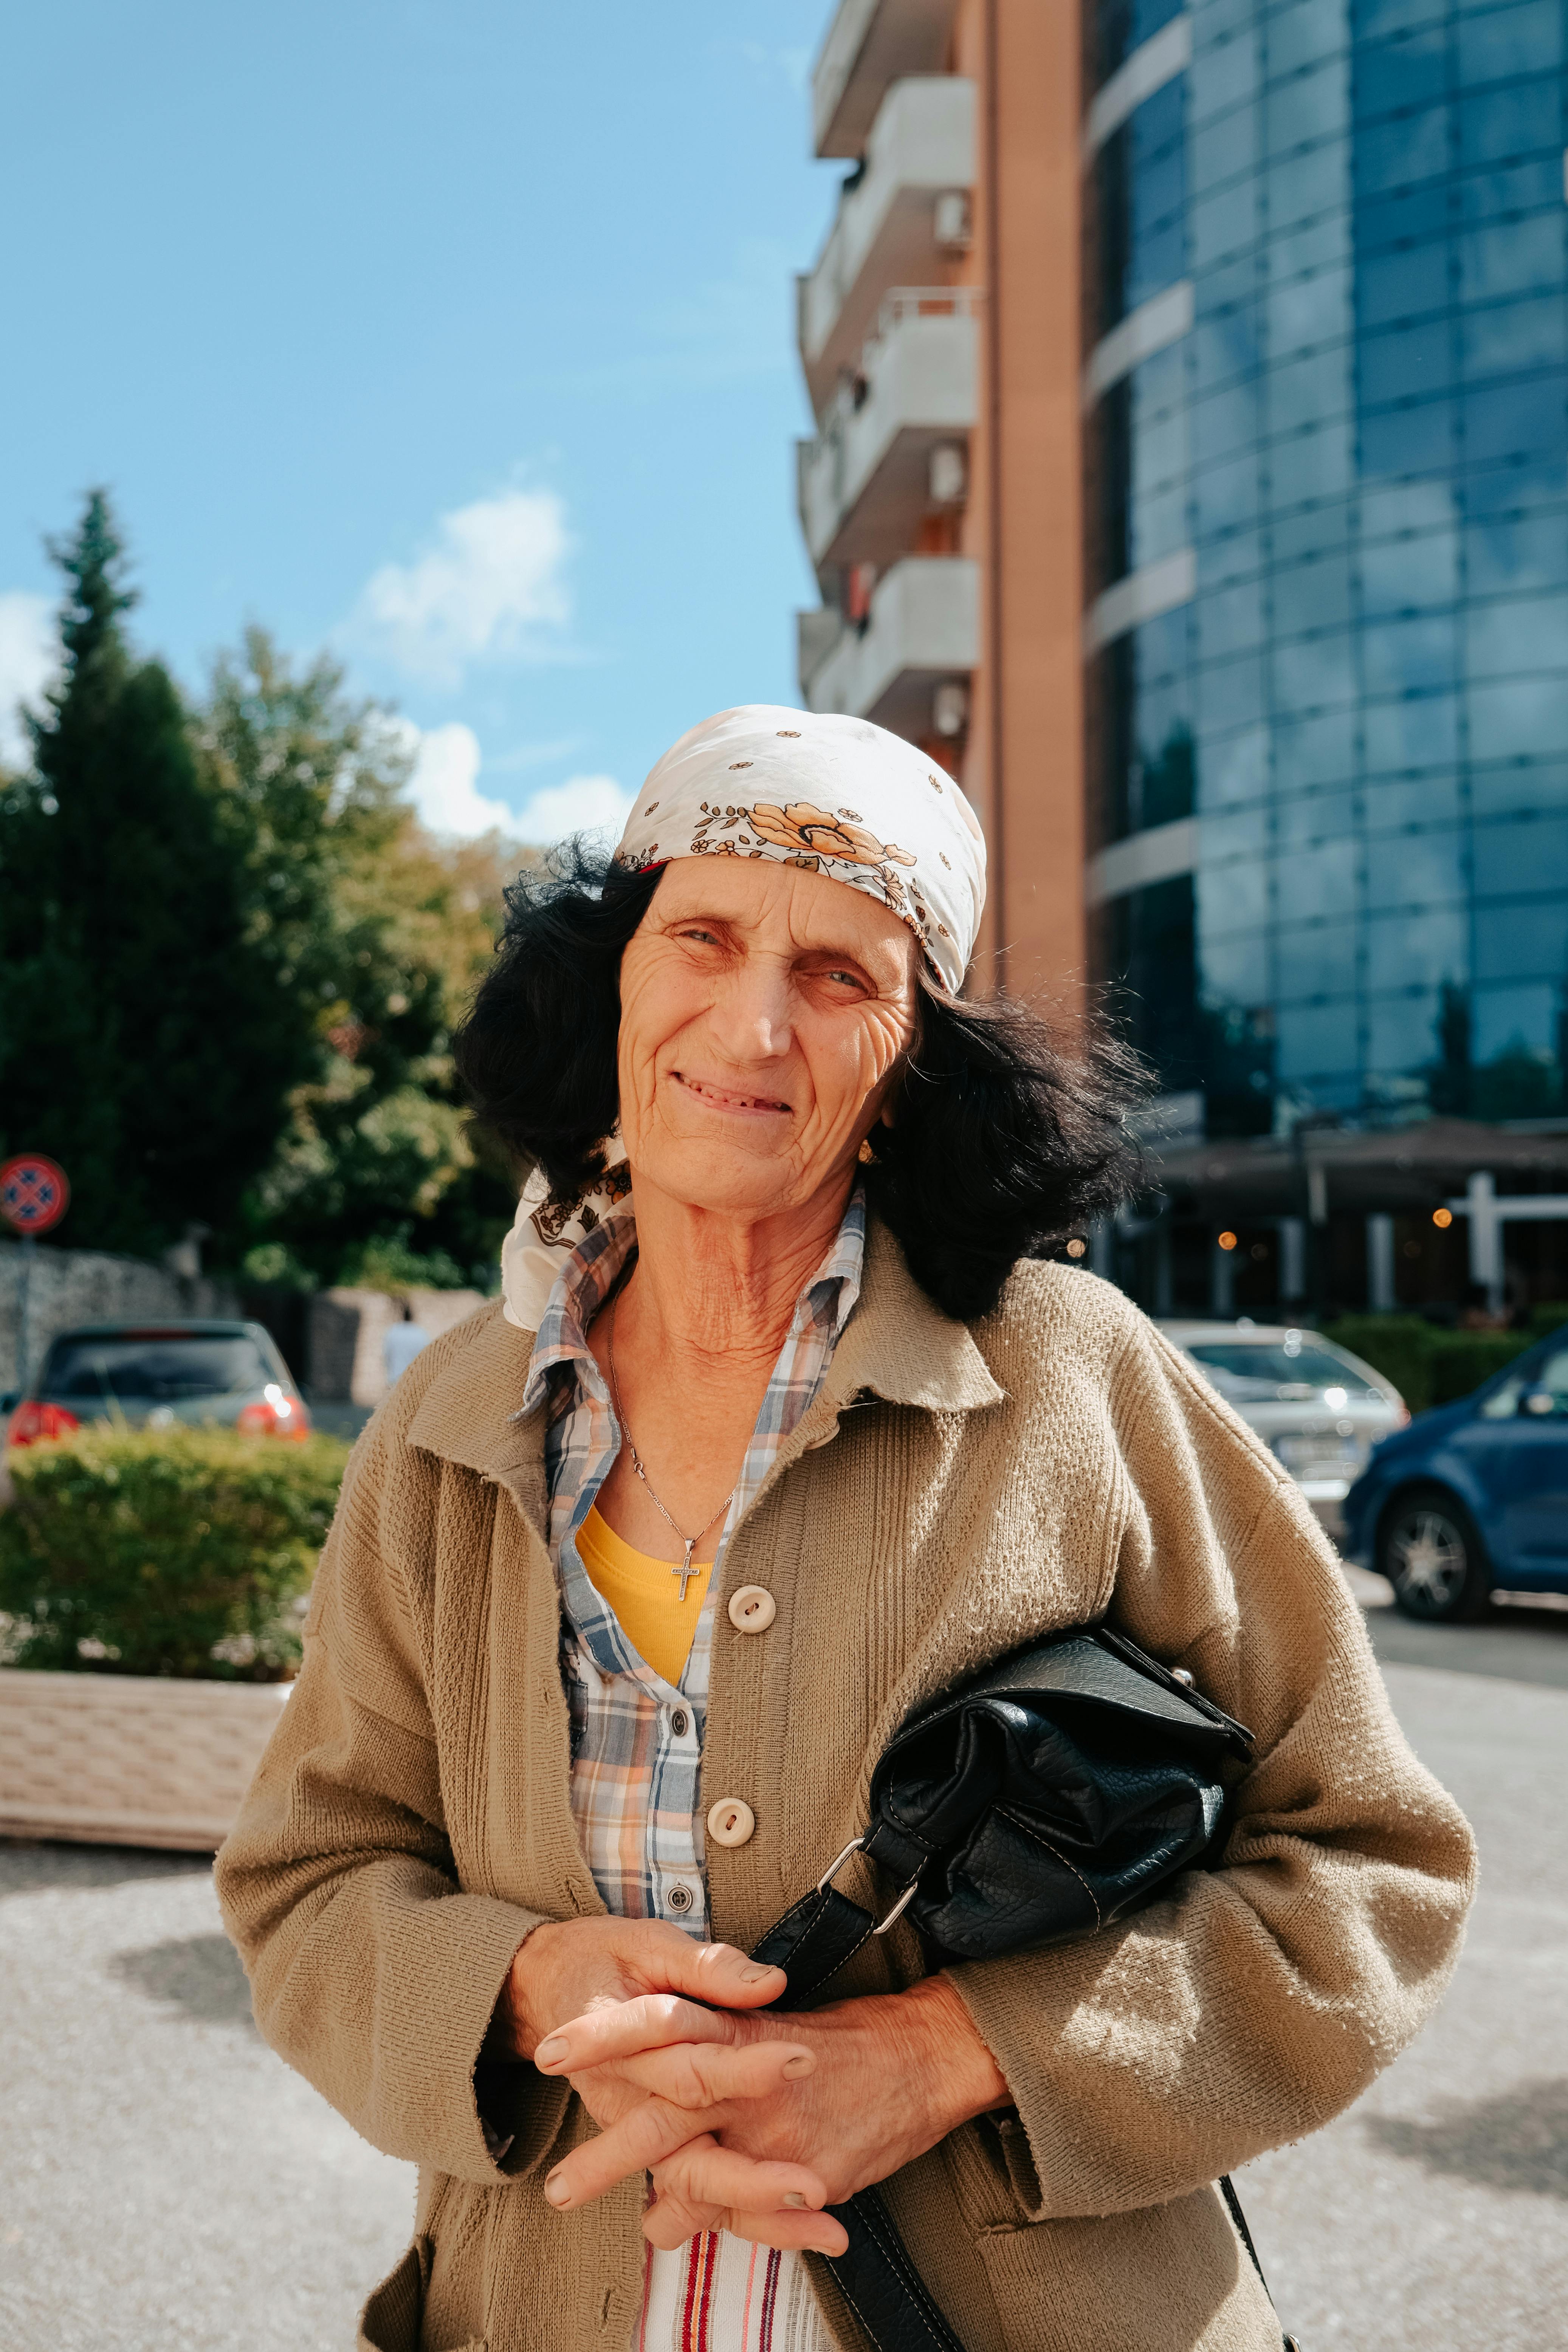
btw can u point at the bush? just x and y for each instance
(1461, 1361)
(186, 1552)
(1429, 1366)
(1397, 1346)
(388, 1262)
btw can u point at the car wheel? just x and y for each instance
(1430, 1552)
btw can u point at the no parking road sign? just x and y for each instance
(34, 1192)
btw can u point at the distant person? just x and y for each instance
(403, 1340)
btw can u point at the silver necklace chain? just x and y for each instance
(681, 1568)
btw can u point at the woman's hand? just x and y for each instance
(657, 1984)
(892, 2076)
(570, 1968)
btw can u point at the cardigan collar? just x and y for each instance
(896, 1345)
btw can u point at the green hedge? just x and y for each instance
(1430, 1366)
(186, 1552)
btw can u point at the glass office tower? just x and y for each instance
(1327, 394)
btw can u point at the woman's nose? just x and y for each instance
(754, 1014)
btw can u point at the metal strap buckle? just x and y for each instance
(855, 1846)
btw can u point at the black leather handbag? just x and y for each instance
(1056, 1792)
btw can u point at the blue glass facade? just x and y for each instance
(1331, 481)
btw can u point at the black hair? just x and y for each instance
(1005, 1144)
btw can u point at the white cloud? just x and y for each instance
(488, 588)
(444, 787)
(30, 657)
(582, 804)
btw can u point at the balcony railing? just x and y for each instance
(869, 45)
(921, 636)
(906, 215)
(866, 482)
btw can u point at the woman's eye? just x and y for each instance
(851, 979)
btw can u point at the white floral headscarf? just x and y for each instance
(832, 794)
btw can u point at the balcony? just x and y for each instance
(870, 44)
(922, 635)
(907, 216)
(871, 476)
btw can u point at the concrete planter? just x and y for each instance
(129, 1759)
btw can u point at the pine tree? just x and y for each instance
(144, 1042)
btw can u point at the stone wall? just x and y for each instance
(346, 1329)
(70, 1287)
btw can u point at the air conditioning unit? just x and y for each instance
(952, 223)
(950, 708)
(948, 475)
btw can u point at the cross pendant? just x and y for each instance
(685, 1569)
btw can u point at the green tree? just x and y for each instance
(143, 1043)
(376, 934)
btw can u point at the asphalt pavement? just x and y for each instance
(165, 2182)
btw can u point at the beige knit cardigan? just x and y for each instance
(954, 1491)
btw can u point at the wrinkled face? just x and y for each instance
(765, 1015)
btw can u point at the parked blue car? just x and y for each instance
(1473, 1496)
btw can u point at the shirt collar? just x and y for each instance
(595, 1267)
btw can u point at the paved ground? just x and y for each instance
(165, 2183)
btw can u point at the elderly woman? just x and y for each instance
(786, 1423)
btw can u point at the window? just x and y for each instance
(1501, 124)
(1311, 595)
(1308, 106)
(1406, 361)
(1516, 635)
(1230, 620)
(1304, 391)
(1531, 855)
(1408, 870)
(1517, 420)
(1517, 552)
(1523, 40)
(1319, 751)
(1511, 256)
(1526, 714)
(1402, 152)
(1290, 1371)
(1309, 310)
(1532, 333)
(1312, 673)
(1392, 76)
(1402, 284)
(1404, 574)
(1417, 731)
(1402, 954)
(1525, 940)
(1316, 959)
(1416, 439)
(1395, 804)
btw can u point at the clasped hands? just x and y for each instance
(746, 2121)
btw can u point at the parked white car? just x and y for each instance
(1319, 1407)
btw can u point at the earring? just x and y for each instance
(866, 1156)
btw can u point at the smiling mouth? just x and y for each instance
(727, 1098)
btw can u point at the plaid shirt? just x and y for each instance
(636, 1739)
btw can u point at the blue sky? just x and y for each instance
(456, 334)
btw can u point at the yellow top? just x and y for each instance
(644, 1594)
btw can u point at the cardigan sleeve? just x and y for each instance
(1264, 1996)
(371, 1972)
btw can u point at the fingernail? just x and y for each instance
(551, 2052)
(755, 1975)
(556, 2190)
(794, 2200)
(803, 2062)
